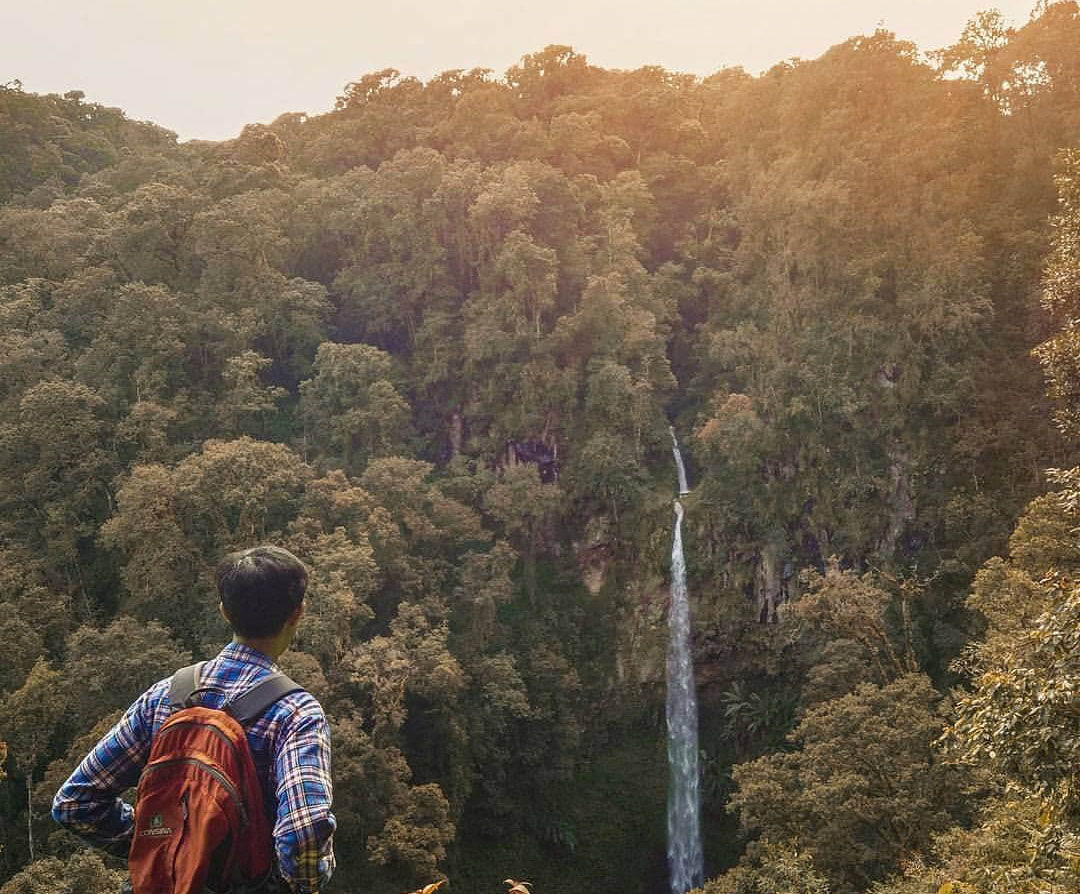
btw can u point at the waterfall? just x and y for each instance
(685, 858)
(683, 489)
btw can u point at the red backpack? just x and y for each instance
(200, 820)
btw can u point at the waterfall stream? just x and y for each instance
(683, 489)
(686, 861)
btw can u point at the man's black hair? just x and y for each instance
(260, 588)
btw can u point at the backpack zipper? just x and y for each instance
(230, 789)
(183, 832)
(224, 738)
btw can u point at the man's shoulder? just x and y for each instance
(300, 704)
(157, 696)
(292, 719)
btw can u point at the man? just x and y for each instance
(262, 599)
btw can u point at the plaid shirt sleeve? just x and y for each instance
(303, 832)
(89, 803)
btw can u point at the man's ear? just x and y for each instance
(294, 618)
(221, 610)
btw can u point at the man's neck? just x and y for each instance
(272, 647)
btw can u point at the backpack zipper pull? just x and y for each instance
(184, 804)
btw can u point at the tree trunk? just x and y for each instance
(457, 431)
(29, 816)
(530, 566)
(901, 503)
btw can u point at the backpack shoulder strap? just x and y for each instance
(245, 708)
(183, 685)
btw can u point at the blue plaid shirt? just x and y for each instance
(290, 744)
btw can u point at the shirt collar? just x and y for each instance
(246, 655)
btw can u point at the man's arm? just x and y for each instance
(303, 833)
(89, 803)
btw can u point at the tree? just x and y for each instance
(173, 525)
(1003, 850)
(56, 469)
(151, 240)
(525, 507)
(484, 583)
(1018, 718)
(81, 873)
(863, 787)
(1060, 354)
(33, 595)
(140, 348)
(247, 403)
(352, 410)
(980, 52)
(606, 469)
(290, 323)
(23, 644)
(416, 529)
(31, 345)
(30, 717)
(402, 827)
(414, 840)
(343, 575)
(407, 675)
(159, 565)
(54, 242)
(540, 78)
(412, 659)
(857, 610)
(55, 476)
(106, 669)
(528, 272)
(752, 719)
(769, 868)
(404, 260)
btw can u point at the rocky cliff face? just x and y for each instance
(641, 638)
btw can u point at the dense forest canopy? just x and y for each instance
(432, 341)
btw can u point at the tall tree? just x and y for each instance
(863, 787)
(351, 407)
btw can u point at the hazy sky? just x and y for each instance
(204, 68)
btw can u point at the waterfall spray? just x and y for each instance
(685, 858)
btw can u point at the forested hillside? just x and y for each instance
(432, 342)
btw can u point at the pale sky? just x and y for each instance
(205, 68)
